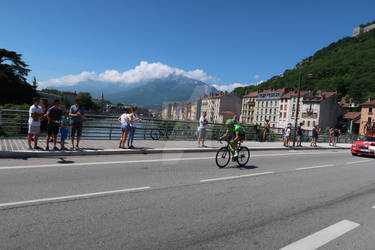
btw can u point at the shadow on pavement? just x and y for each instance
(63, 161)
(244, 167)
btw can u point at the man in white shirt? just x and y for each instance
(202, 129)
(35, 113)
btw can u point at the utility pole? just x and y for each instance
(297, 109)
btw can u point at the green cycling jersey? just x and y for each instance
(237, 129)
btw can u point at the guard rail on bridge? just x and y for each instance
(14, 123)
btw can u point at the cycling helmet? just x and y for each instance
(229, 122)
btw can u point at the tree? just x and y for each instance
(86, 100)
(35, 83)
(13, 73)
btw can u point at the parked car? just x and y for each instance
(364, 146)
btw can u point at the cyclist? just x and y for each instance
(234, 133)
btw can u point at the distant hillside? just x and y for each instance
(154, 93)
(347, 66)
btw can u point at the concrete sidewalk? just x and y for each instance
(18, 147)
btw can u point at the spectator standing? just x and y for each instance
(133, 119)
(267, 127)
(331, 139)
(336, 134)
(235, 119)
(202, 129)
(299, 135)
(125, 127)
(283, 132)
(287, 135)
(315, 135)
(54, 115)
(35, 113)
(44, 118)
(76, 113)
(64, 130)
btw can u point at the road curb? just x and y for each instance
(41, 154)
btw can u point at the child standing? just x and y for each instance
(64, 129)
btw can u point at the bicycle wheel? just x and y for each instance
(155, 134)
(243, 156)
(223, 157)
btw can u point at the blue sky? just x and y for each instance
(235, 41)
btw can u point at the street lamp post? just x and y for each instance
(297, 108)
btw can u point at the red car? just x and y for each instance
(364, 146)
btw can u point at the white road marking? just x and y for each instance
(235, 177)
(68, 197)
(355, 162)
(314, 167)
(61, 165)
(322, 237)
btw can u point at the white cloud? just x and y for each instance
(232, 86)
(229, 87)
(143, 72)
(256, 77)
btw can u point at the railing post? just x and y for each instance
(110, 132)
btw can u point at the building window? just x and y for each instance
(281, 114)
(308, 123)
(370, 110)
(369, 120)
(314, 123)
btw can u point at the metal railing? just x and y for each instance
(14, 123)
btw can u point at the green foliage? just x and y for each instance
(52, 91)
(13, 73)
(17, 106)
(346, 66)
(86, 99)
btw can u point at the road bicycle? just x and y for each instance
(225, 154)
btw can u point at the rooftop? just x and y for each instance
(320, 96)
(370, 102)
(352, 115)
(251, 94)
(293, 94)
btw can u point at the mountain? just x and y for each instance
(157, 92)
(95, 88)
(346, 66)
(150, 94)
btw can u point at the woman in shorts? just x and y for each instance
(125, 127)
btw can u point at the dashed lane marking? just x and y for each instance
(323, 236)
(235, 177)
(356, 162)
(61, 165)
(314, 167)
(68, 198)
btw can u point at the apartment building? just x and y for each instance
(248, 108)
(214, 104)
(267, 106)
(196, 110)
(367, 115)
(320, 109)
(288, 108)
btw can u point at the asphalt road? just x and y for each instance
(296, 200)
